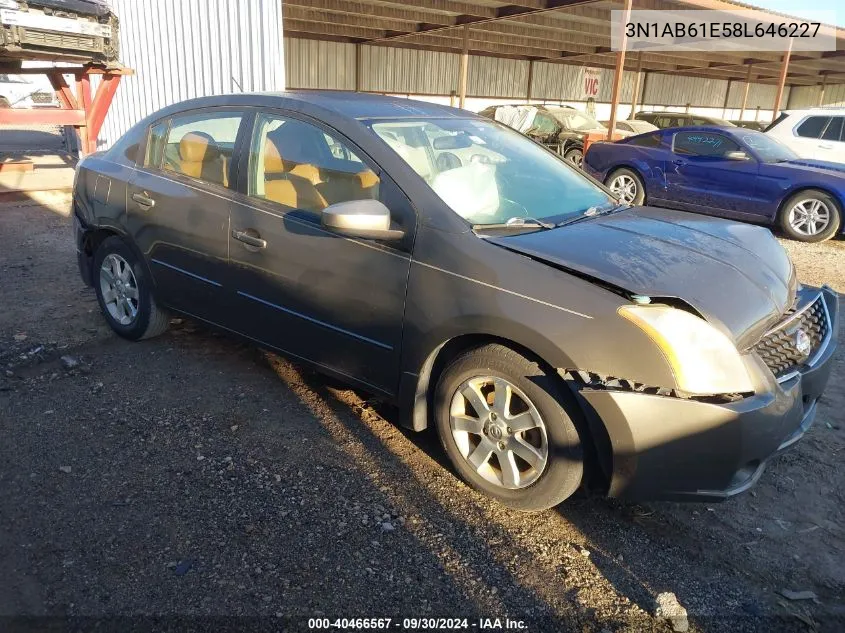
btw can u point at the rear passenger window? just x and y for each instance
(647, 140)
(299, 166)
(201, 146)
(812, 127)
(833, 132)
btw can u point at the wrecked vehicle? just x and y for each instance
(57, 30)
(562, 129)
(552, 336)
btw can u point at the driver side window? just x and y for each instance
(703, 144)
(298, 166)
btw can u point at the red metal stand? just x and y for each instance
(79, 110)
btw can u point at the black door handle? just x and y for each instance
(679, 163)
(250, 240)
(143, 200)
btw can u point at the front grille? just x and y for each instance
(50, 39)
(778, 348)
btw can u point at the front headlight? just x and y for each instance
(703, 360)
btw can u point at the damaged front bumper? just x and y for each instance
(681, 449)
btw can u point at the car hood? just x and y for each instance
(815, 164)
(737, 276)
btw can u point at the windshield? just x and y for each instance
(769, 150)
(488, 173)
(575, 120)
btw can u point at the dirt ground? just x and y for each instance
(193, 475)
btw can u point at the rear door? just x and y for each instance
(701, 178)
(806, 137)
(335, 301)
(832, 142)
(178, 207)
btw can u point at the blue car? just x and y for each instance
(733, 172)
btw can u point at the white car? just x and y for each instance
(632, 126)
(817, 133)
(19, 91)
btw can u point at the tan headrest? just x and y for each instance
(367, 178)
(308, 172)
(273, 161)
(198, 147)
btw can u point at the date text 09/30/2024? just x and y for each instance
(417, 624)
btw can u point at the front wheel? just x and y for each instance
(506, 427)
(810, 216)
(575, 156)
(627, 186)
(124, 292)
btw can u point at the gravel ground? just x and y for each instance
(194, 475)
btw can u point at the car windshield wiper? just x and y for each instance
(517, 223)
(593, 212)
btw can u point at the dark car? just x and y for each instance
(553, 337)
(734, 172)
(665, 120)
(57, 30)
(560, 128)
(751, 125)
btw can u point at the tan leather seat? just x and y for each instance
(200, 157)
(284, 186)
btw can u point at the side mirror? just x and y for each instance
(369, 219)
(736, 155)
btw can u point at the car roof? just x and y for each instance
(353, 105)
(716, 129)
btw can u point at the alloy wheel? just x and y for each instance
(119, 289)
(625, 188)
(810, 216)
(499, 432)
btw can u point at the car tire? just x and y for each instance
(627, 179)
(4, 103)
(575, 155)
(125, 294)
(539, 416)
(810, 216)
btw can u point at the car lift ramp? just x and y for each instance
(78, 109)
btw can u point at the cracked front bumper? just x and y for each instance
(672, 448)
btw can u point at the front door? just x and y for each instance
(701, 178)
(178, 208)
(335, 301)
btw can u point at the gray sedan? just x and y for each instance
(553, 337)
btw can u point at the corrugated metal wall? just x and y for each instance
(562, 82)
(331, 65)
(405, 70)
(496, 77)
(759, 95)
(808, 96)
(188, 48)
(319, 64)
(678, 90)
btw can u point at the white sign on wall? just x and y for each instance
(591, 83)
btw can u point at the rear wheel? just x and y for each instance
(627, 186)
(810, 216)
(4, 103)
(505, 425)
(124, 292)
(575, 156)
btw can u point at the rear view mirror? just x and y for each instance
(369, 219)
(458, 141)
(736, 155)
